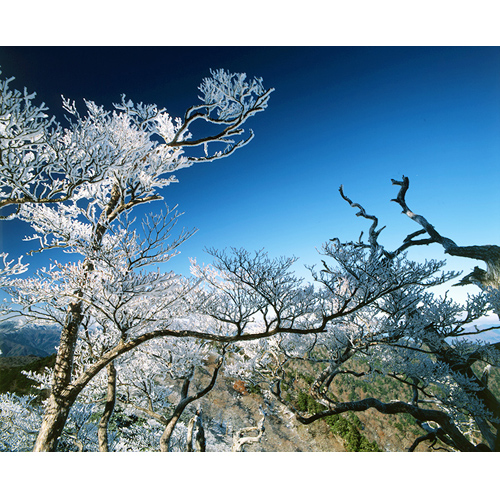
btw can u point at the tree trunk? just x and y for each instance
(57, 410)
(61, 400)
(196, 434)
(169, 428)
(167, 433)
(54, 419)
(179, 409)
(102, 432)
(185, 400)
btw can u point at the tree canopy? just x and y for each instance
(369, 313)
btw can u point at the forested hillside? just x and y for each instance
(36, 341)
(234, 404)
(12, 378)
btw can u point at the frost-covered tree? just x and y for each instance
(40, 162)
(394, 328)
(19, 422)
(148, 377)
(77, 187)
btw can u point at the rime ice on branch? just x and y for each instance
(382, 323)
(77, 187)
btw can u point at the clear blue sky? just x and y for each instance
(353, 116)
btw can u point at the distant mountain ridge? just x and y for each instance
(28, 340)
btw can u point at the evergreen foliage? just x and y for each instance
(347, 428)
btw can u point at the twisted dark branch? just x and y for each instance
(460, 442)
(431, 436)
(373, 234)
(487, 253)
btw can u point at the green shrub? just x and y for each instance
(309, 379)
(347, 428)
(253, 388)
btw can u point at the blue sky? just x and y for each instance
(356, 116)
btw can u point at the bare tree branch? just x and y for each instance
(490, 254)
(241, 439)
(459, 440)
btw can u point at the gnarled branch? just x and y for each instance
(240, 438)
(460, 442)
(490, 254)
